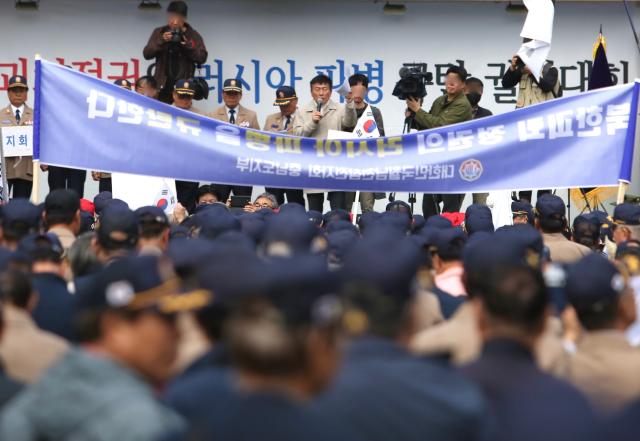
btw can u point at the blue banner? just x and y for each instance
(585, 140)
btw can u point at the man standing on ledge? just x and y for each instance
(451, 108)
(19, 169)
(316, 119)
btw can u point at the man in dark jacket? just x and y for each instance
(511, 305)
(177, 48)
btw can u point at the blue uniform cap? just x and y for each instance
(17, 81)
(20, 213)
(550, 206)
(593, 282)
(438, 221)
(626, 214)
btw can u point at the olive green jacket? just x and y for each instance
(444, 113)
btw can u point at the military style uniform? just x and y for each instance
(278, 122)
(19, 169)
(241, 117)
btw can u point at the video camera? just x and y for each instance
(413, 78)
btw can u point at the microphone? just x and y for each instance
(319, 103)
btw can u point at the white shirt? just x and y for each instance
(21, 109)
(235, 114)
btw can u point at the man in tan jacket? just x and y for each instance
(605, 367)
(19, 169)
(319, 116)
(26, 351)
(233, 112)
(283, 122)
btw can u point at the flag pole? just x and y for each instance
(35, 192)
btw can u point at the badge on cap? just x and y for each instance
(186, 85)
(119, 294)
(232, 82)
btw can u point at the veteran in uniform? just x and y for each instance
(183, 92)
(19, 169)
(233, 112)
(605, 367)
(282, 122)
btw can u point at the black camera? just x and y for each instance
(519, 63)
(176, 35)
(412, 83)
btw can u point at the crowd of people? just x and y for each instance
(275, 322)
(270, 319)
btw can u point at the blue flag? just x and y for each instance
(580, 141)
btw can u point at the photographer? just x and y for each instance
(451, 108)
(177, 48)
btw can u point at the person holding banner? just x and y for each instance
(319, 116)
(370, 125)
(451, 108)
(19, 169)
(234, 113)
(282, 122)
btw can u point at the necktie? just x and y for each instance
(18, 116)
(232, 118)
(287, 122)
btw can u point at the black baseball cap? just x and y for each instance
(62, 201)
(152, 214)
(118, 228)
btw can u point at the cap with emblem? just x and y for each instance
(138, 283)
(523, 210)
(185, 87)
(125, 84)
(118, 228)
(627, 214)
(18, 81)
(232, 85)
(592, 283)
(284, 95)
(152, 214)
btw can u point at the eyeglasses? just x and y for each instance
(265, 205)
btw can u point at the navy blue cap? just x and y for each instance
(400, 207)
(118, 228)
(137, 283)
(152, 214)
(315, 217)
(62, 201)
(100, 201)
(385, 265)
(232, 85)
(292, 231)
(125, 84)
(397, 220)
(419, 222)
(303, 290)
(627, 214)
(185, 87)
(37, 246)
(340, 243)
(438, 221)
(550, 206)
(291, 207)
(17, 81)
(20, 214)
(367, 219)
(215, 222)
(341, 225)
(485, 252)
(448, 242)
(284, 95)
(477, 210)
(334, 215)
(178, 232)
(478, 222)
(236, 239)
(522, 208)
(253, 225)
(592, 282)
(526, 237)
(187, 253)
